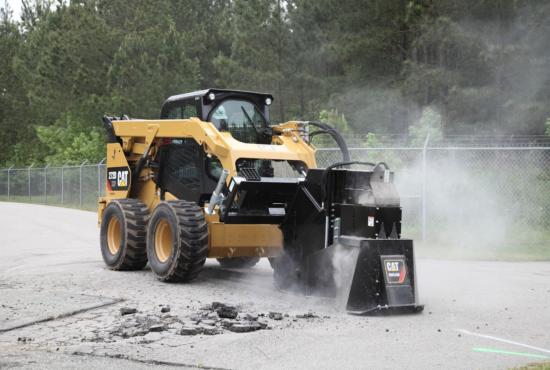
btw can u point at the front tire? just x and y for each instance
(122, 234)
(177, 241)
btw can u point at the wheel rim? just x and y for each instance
(163, 241)
(114, 235)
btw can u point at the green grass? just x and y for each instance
(535, 366)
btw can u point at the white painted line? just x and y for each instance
(504, 340)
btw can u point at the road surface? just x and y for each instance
(60, 308)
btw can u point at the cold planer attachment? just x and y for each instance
(342, 238)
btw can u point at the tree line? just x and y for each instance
(480, 66)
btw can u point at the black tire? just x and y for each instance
(177, 241)
(239, 262)
(122, 234)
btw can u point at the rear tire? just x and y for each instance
(122, 234)
(286, 274)
(239, 262)
(177, 241)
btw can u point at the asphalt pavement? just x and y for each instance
(61, 308)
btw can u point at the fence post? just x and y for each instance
(46, 184)
(29, 176)
(424, 167)
(63, 183)
(80, 184)
(9, 169)
(99, 177)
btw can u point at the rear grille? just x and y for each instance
(250, 174)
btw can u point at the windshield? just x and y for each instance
(241, 118)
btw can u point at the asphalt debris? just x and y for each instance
(190, 330)
(251, 316)
(157, 328)
(227, 312)
(213, 319)
(127, 311)
(275, 315)
(219, 317)
(245, 327)
(309, 315)
(136, 325)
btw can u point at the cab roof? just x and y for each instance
(203, 93)
(203, 104)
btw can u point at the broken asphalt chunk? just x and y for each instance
(127, 311)
(275, 315)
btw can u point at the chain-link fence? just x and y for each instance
(69, 186)
(450, 195)
(468, 196)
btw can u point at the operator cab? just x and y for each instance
(244, 114)
(185, 170)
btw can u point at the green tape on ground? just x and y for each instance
(494, 350)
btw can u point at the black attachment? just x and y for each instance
(342, 239)
(252, 199)
(368, 275)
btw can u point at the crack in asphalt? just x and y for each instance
(62, 315)
(150, 362)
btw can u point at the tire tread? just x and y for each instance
(193, 238)
(136, 216)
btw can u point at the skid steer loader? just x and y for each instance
(213, 179)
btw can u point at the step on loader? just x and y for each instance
(212, 178)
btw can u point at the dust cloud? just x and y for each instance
(468, 206)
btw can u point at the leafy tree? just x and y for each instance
(336, 120)
(67, 142)
(63, 62)
(387, 66)
(158, 55)
(259, 57)
(206, 27)
(12, 94)
(430, 124)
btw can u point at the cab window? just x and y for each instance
(183, 111)
(241, 118)
(180, 171)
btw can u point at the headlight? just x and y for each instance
(211, 96)
(267, 101)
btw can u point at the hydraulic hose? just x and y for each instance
(325, 128)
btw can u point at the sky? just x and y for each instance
(15, 6)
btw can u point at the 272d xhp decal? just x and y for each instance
(118, 178)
